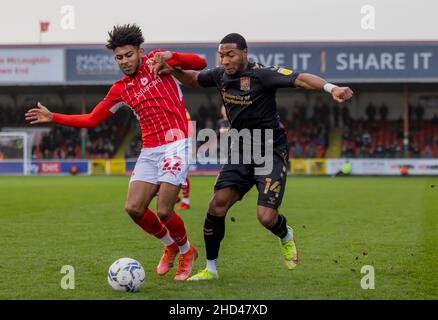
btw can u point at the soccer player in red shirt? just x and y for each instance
(162, 166)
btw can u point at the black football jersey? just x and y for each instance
(249, 97)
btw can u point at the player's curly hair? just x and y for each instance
(127, 34)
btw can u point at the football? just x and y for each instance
(126, 275)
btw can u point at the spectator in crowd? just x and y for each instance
(345, 114)
(346, 134)
(419, 112)
(398, 151)
(296, 118)
(303, 113)
(135, 146)
(347, 150)
(400, 132)
(325, 114)
(383, 110)
(311, 150)
(358, 141)
(296, 150)
(366, 139)
(415, 152)
(379, 152)
(371, 112)
(427, 152)
(410, 111)
(363, 153)
(335, 112)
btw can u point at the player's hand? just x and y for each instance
(341, 94)
(163, 69)
(157, 65)
(40, 114)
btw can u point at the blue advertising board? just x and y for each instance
(370, 62)
(11, 167)
(91, 66)
(355, 63)
(52, 167)
(97, 65)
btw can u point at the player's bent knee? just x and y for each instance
(265, 221)
(134, 211)
(267, 218)
(164, 215)
(217, 207)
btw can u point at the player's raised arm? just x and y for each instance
(312, 82)
(164, 61)
(183, 66)
(188, 78)
(187, 61)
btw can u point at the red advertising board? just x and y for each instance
(49, 167)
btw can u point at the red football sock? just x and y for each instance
(176, 228)
(186, 188)
(152, 224)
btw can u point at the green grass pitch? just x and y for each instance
(341, 224)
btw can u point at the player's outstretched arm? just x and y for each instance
(41, 114)
(312, 82)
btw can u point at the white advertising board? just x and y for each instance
(31, 66)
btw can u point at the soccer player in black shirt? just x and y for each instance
(248, 92)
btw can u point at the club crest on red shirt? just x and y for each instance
(144, 81)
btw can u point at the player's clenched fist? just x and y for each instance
(157, 65)
(341, 94)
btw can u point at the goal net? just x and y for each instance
(15, 155)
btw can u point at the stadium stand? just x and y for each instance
(60, 142)
(309, 130)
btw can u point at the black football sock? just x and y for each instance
(214, 231)
(280, 227)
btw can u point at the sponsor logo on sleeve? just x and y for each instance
(284, 71)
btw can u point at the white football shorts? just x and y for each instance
(166, 163)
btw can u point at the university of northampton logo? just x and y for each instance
(245, 84)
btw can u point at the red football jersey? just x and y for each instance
(157, 103)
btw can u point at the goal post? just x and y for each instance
(15, 153)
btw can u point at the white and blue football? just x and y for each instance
(126, 275)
